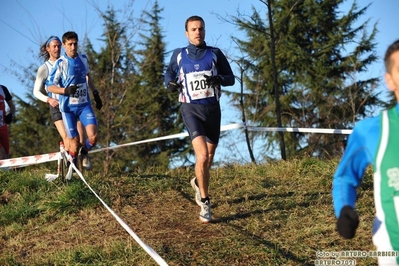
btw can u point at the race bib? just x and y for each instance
(196, 85)
(80, 96)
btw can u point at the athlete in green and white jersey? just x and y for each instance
(374, 141)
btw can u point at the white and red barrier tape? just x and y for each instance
(43, 158)
(28, 160)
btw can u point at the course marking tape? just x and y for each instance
(43, 158)
(174, 136)
(302, 130)
(147, 248)
(28, 160)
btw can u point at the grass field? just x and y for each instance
(278, 213)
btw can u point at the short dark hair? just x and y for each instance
(193, 18)
(387, 58)
(69, 35)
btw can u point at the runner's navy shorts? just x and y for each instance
(202, 120)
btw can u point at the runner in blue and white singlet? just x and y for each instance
(68, 71)
(70, 77)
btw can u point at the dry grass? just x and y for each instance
(273, 214)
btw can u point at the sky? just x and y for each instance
(26, 24)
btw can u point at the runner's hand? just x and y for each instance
(173, 86)
(71, 89)
(8, 119)
(348, 222)
(213, 80)
(97, 98)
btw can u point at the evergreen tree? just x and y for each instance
(116, 78)
(318, 80)
(157, 111)
(136, 105)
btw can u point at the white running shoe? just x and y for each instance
(85, 159)
(205, 213)
(197, 192)
(86, 162)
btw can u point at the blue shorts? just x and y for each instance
(202, 120)
(86, 116)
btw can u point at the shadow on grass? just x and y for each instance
(308, 199)
(279, 201)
